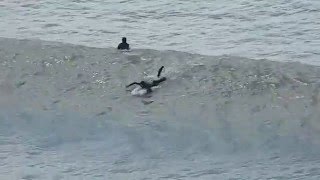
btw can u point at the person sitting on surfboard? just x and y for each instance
(146, 85)
(124, 44)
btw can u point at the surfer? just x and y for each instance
(146, 85)
(124, 44)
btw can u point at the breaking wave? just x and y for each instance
(58, 93)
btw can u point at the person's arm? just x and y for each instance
(133, 84)
(160, 70)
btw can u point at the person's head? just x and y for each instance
(124, 40)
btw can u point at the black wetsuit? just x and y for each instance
(148, 86)
(124, 44)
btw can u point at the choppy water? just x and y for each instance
(65, 114)
(285, 30)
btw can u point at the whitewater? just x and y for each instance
(241, 100)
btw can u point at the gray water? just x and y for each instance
(65, 112)
(285, 30)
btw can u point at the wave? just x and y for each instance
(61, 93)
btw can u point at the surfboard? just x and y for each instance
(138, 91)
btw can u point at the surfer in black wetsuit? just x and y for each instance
(148, 86)
(124, 44)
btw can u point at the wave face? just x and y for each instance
(65, 109)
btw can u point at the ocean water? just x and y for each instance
(241, 100)
(285, 30)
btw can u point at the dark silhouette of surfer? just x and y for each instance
(124, 45)
(147, 85)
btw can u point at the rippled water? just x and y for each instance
(285, 30)
(65, 114)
